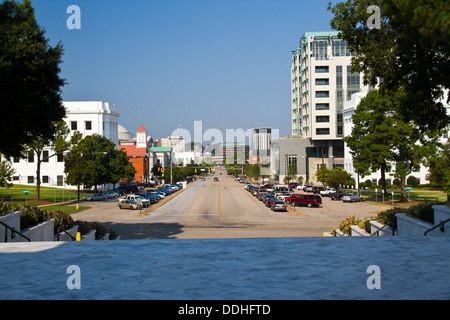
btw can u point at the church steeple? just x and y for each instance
(141, 137)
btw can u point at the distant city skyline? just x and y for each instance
(169, 64)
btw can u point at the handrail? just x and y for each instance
(385, 226)
(439, 225)
(13, 230)
(65, 231)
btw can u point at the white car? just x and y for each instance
(137, 198)
(327, 191)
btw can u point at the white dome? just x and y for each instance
(124, 134)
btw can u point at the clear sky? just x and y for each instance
(171, 62)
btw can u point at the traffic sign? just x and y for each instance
(408, 188)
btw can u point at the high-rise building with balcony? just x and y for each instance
(321, 81)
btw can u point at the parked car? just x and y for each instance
(309, 200)
(261, 194)
(216, 179)
(327, 191)
(300, 187)
(317, 190)
(96, 197)
(293, 185)
(351, 197)
(269, 200)
(128, 204)
(111, 194)
(135, 197)
(308, 188)
(283, 197)
(337, 195)
(278, 205)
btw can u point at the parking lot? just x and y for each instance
(222, 209)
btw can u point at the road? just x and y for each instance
(223, 209)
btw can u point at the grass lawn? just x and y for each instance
(47, 196)
(416, 196)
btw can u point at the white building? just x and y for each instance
(349, 109)
(87, 117)
(261, 145)
(321, 82)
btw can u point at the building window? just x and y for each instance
(339, 48)
(322, 94)
(31, 179)
(322, 69)
(322, 131)
(322, 106)
(320, 50)
(31, 156)
(322, 82)
(350, 92)
(45, 156)
(353, 81)
(73, 125)
(45, 179)
(322, 118)
(16, 159)
(338, 77)
(60, 157)
(60, 181)
(88, 125)
(16, 178)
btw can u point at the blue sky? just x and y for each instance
(172, 62)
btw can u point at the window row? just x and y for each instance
(87, 125)
(45, 179)
(45, 157)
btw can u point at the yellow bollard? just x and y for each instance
(77, 207)
(78, 236)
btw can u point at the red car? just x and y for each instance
(309, 200)
(270, 200)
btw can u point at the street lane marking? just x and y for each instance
(219, 207)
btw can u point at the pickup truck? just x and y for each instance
(135, 197)
(327, 191)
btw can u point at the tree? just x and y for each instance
(322, 174)
(410, 51)
(337, 177)
(95, 161)
(440, 169)
(6, 173)
(381, 134)
(30, 85)
(57, 143)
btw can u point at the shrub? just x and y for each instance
(347, 223)
(412, 181)
(368, 183)
(397, 182)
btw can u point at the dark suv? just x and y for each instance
(309, 200)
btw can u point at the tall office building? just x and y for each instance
(261, 142)
(321, 82)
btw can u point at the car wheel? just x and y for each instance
(120, 207)
(309, 204)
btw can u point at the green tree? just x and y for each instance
(57, 144)
(30, 85)
(338, 176)
(440, 169)
(381, 134)
(6, 173)
(410, 51)
(322, 174)
(99, 162)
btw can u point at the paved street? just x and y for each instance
(223, 209)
